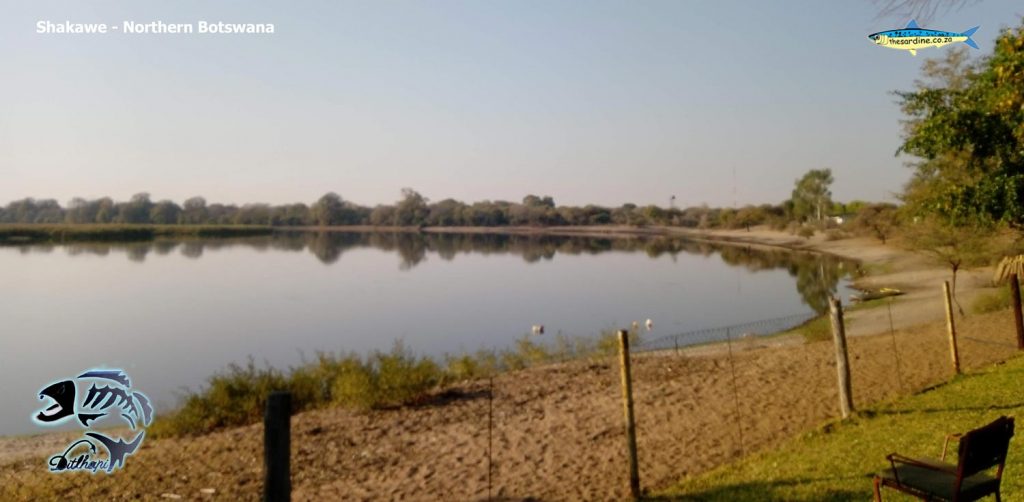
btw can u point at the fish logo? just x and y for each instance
(913, 37)
(107, 393)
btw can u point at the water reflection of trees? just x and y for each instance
(817, 276)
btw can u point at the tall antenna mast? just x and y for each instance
(734, 187)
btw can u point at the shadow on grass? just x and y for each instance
(770, 490)
(951, 409)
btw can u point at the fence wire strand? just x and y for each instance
(763, 327)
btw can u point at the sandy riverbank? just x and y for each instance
(557, 431)
(889, 265)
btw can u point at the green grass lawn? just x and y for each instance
(837, 461)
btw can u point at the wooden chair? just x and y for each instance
(980, 450)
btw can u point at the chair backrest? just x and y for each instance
(985, 447)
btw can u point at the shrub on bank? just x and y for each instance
(352, 384)
(237, 396)
(992, 301)
(462, 367)
(398, 377)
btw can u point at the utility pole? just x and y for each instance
(734, 187)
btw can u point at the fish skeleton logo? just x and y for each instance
(109, 394)
(914, 37)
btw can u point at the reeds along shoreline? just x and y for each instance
(237, 395)
(46, 233)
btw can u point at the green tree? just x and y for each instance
(136, 210)
(749, 216)
(654, 215)
(105, 212)
(964, 123)
(327, 210)
(536, 211)
(878, 219)
(382, 215)
(597, 215)
(412, 209)
(854, 206)
(446, 213)
(193, 211)
(252, 214)
(290, 214)
(955, 246)
(811, 196)
(80, 210)
(726, 218)
(536, 201)
(164, 212)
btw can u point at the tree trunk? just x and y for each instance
(956, 268)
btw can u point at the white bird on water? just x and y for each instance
(537, 329)
(649, 324)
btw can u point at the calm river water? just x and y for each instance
(171, 313)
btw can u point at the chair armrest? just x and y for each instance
(946, 444)
(895, 458)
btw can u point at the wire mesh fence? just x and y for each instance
(763, 327)
(555, 431)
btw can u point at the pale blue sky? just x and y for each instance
(604, 102)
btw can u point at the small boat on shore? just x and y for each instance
(868, 295)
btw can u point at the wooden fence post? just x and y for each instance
(842, 359)
(951, 327)
(490, 433)
(277, 447)
(627, 401)
(1017, 318)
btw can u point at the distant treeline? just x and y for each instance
(411, 210)
(61, 233)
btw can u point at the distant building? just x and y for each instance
(839, 219)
